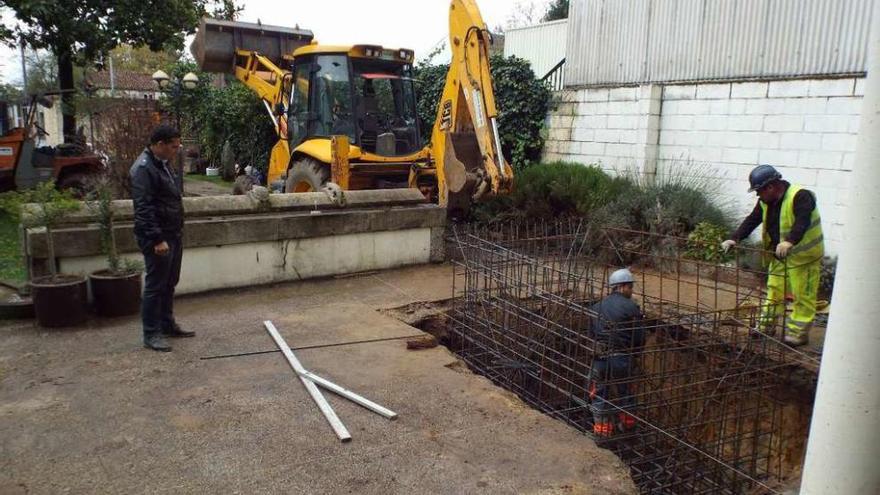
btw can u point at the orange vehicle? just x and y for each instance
(23, 166)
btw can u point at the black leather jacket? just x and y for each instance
(158, 207)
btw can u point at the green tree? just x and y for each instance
(77, 31)
(556, 11)
(141, 58)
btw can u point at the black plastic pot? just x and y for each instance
(60, 302)
(116, 295)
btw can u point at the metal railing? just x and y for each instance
(555, 77)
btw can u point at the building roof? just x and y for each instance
(123, 80)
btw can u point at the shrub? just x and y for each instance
(554, 190)
(704, 243)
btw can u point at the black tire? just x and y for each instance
(306, 175)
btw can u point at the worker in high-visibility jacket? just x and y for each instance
(793, 233)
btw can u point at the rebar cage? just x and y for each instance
(689, 405)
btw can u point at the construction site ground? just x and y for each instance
(88, 410)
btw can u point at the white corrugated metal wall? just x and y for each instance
(638, 41)
(543, 45)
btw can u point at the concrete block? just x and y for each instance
(592, 148)
(713, 91)
(707, 154)
(769, 141)
(855, 123)
(849, 161)
(742, 139)
(832, 87)
(592, 122)
(567, 96)
(587, 108)
(623, 122)
(623, 94)
(619, 150)
(834, 178)
(860, 87)
(582, 134)
(559, 133)
(673, 152)
(844, 106)
(650, 106)
(745, 123)
(828, 123)
(668, 137)
(598, 94)
(736, 107)
(694, 107)
(783, 123)
(715, 138)
(650, 92)
(839, 142)
(717, 107)
(740, 155)
(748, 90)
(799, 175)
(788, 89)
(680, 92)
(805, 106)
(765, 106)
(710, 122)
(622, 107)
(676, 122)
(820, 159)
(783, 158)
(629, 136)
(800, 141)
(607, 135)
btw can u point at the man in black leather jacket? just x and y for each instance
(158, 227)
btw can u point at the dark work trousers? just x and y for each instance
(605, 372)
(162, 275)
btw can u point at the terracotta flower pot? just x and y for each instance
(116, 295)
(60, 301)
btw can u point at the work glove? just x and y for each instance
(783, 248)
(726, 245)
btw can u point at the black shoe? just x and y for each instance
(157, 343)
(176, 332)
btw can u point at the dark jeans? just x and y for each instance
(162, 275)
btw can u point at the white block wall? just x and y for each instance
(806, 128)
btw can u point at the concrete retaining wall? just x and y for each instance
(806, 127)
(234, 241)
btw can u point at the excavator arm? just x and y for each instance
(466, 146)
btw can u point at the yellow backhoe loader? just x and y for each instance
(346, 115)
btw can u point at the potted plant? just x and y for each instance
(116, 290)
(59, 300)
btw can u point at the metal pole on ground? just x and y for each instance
(843, 450)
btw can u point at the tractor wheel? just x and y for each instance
(306, 175)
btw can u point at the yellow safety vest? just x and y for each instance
(812, 245)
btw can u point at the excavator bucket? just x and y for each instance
(216, 43)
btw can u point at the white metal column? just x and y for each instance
(843, 450)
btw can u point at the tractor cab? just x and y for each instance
(364, 92)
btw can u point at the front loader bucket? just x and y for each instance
(216, 42)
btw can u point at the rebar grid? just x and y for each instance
(700, 387)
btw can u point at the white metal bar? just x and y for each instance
(348, 394)
(319, 399)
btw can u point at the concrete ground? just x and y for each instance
(88, 410)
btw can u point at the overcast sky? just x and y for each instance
(415, 24)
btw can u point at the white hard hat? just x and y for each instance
(622, 276)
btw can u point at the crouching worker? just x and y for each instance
(617, 326)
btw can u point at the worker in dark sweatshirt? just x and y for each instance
(617, 329)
